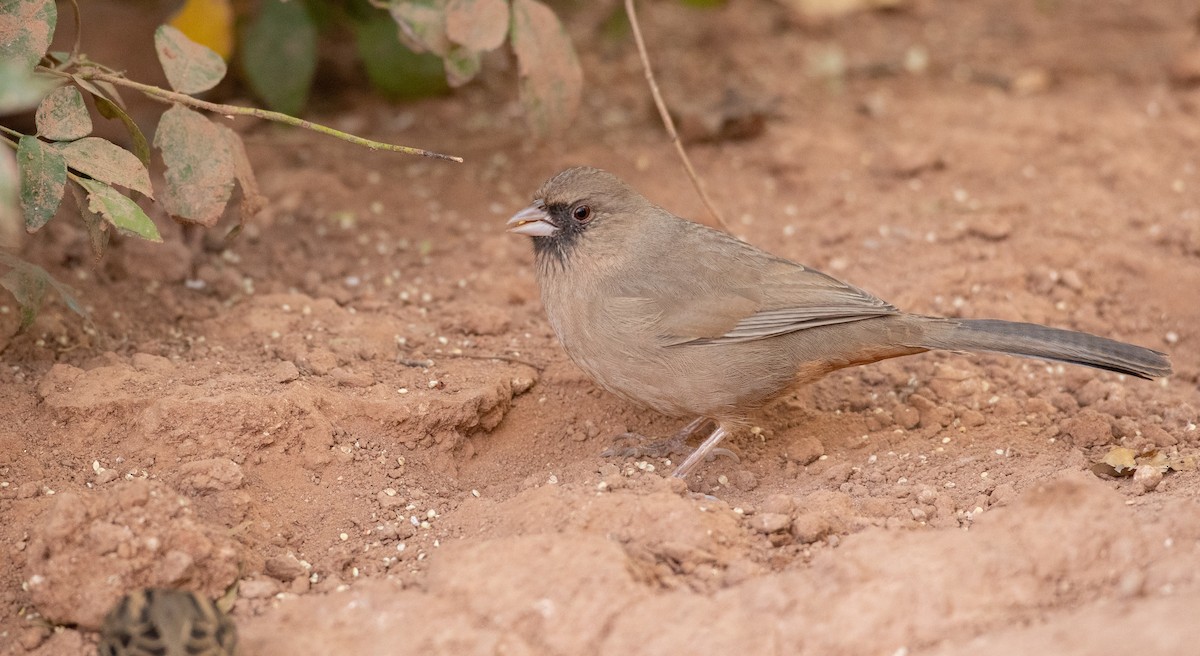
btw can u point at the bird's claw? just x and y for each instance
(641, 446)
(644, 447)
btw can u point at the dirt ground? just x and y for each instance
(358, 413)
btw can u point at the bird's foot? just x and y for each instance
(636, 445)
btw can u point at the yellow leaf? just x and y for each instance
(207, 22)
(1121, 459)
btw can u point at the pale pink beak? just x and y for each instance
(533, 221)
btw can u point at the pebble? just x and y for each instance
(907, 417)
(769, 522)
(285, 372)
(212, 475)
(1149, 476)
(810, 527)
(258, 588)
(1089, 428)
(284, 568)
(804, 449)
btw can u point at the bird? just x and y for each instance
(166, 622)
(692, 322)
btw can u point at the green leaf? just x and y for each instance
(110, 110)
(279, 55)
(190, 67)
(477, 25)
(43, 179)
(28, 282)
(106, 161)
(461, 65)
(119, 210)
(551, 81)
(422, 24)
(393, 69)
(20, 89)
(26, 29)
(97, 227)
(62, 116)
(10, 211)
(28, 287)
(200, 167)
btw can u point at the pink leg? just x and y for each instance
(701, 452)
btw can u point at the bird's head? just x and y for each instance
(573, 205)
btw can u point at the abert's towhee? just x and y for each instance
(692, 322)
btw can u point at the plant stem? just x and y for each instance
(666, 116)
(163, 95)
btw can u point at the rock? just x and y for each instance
(212, 475)
(1148, 476)
(285, 372)
(804, 449)
(810, 526)
(284, 568)
(907, 417)
(151, 363)
(769, 522)
(1089, 428)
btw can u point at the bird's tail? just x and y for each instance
(1035, 341)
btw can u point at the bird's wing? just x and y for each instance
(795, 298)
(743, 298)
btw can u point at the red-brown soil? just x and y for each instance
(312, 410)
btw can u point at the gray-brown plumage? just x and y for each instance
(692, 322)
(162, 622)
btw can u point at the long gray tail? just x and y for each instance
(1036, 341)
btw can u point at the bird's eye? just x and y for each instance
(582, 213)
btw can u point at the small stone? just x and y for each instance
(347, 378)
(1148, 476)
(972, 418)
(285, 372)
(781, 504)
(810, 527)
(1003, 494)
(744, 480)
(151, 363)
(27, 490)
(907, 417)
(1088, 429)
(1072, 280)
(804, 449)
(769, 522)
(1029, 82)
(927, 494)
(211, 475)
(1158, 435)
(320, 361)
(918, 514)
(284, 568)
(991, 230)
(521, 385)
(258, 588)
(388, 501)
(32, 637)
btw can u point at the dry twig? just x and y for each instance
(666, 116)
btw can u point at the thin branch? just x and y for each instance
(666, 116)
(78, 31)
(163, 95)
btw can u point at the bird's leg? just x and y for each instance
(706, 448)
(674, 445)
